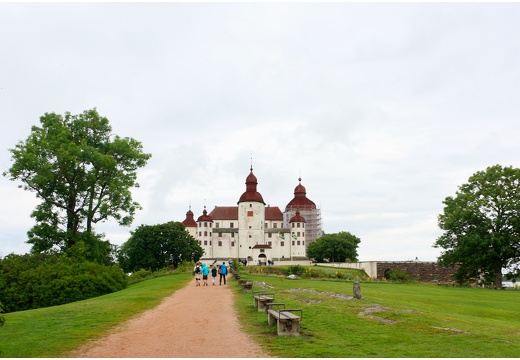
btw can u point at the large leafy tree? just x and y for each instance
(82, 174)
(153, 247)
(334, 247)
(481, 225)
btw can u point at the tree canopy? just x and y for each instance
(334, 247)
(154, 247)
(482, 225)
(82, 174)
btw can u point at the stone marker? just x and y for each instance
(357, 290)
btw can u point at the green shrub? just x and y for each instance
(396, 275)
(297, 270)
(139, 275)
(35, 281)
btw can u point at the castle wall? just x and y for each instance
(418, 270)
(421, 271)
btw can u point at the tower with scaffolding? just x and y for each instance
(308, 210)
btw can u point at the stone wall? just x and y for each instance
(422, 271)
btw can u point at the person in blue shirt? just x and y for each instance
(205, 272)
(223, 272)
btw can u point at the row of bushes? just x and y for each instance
(317, 273)
(33, 281)
(304, 272)
(146, 274)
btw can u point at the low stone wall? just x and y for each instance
(422, 271)
(418, 270)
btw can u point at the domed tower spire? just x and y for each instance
(300, 200)
(251, 193)
(189, 221)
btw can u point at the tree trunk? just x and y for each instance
(498, 277)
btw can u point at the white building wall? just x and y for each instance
(251, 218)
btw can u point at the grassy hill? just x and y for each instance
(393, 320)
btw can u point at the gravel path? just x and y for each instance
(194, 322)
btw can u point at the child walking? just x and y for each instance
(213, 274)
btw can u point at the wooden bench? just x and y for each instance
(287, 322)
(247, 285)
(261, 299)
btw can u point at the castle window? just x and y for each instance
(200, 233)
(231, 225)
(220, 243)
(205, 224)
(262, 250)
(298, 242)
(298, 234)
(303, 225)
(282, 243)
(219, 234)
(205, 242)
(270, 243)
(298, 225)
(232, 244)
(205, 233)
(293, 242)
(270, 235)
(232, 234)
(217, 225)
(275, 225)
(249, 213)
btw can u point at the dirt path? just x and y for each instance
(194, 322)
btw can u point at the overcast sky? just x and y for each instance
(383, 109)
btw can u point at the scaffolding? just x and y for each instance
(313, 224)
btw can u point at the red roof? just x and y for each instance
(273, 213)
(259, 246)
(204, 216)
(297, 217)
(224, 213)
(300, 200)
(251, 194)
(189, 221)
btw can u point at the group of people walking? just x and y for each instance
(201, 270)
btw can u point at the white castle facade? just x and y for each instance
(255, 232)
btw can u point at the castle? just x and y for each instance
(255, 232)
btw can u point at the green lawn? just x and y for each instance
(53, 331)
(416, 321)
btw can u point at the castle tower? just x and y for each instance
(190, 224)
(308, 210)
(205, 229)
(251, 218)
(297, 226)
